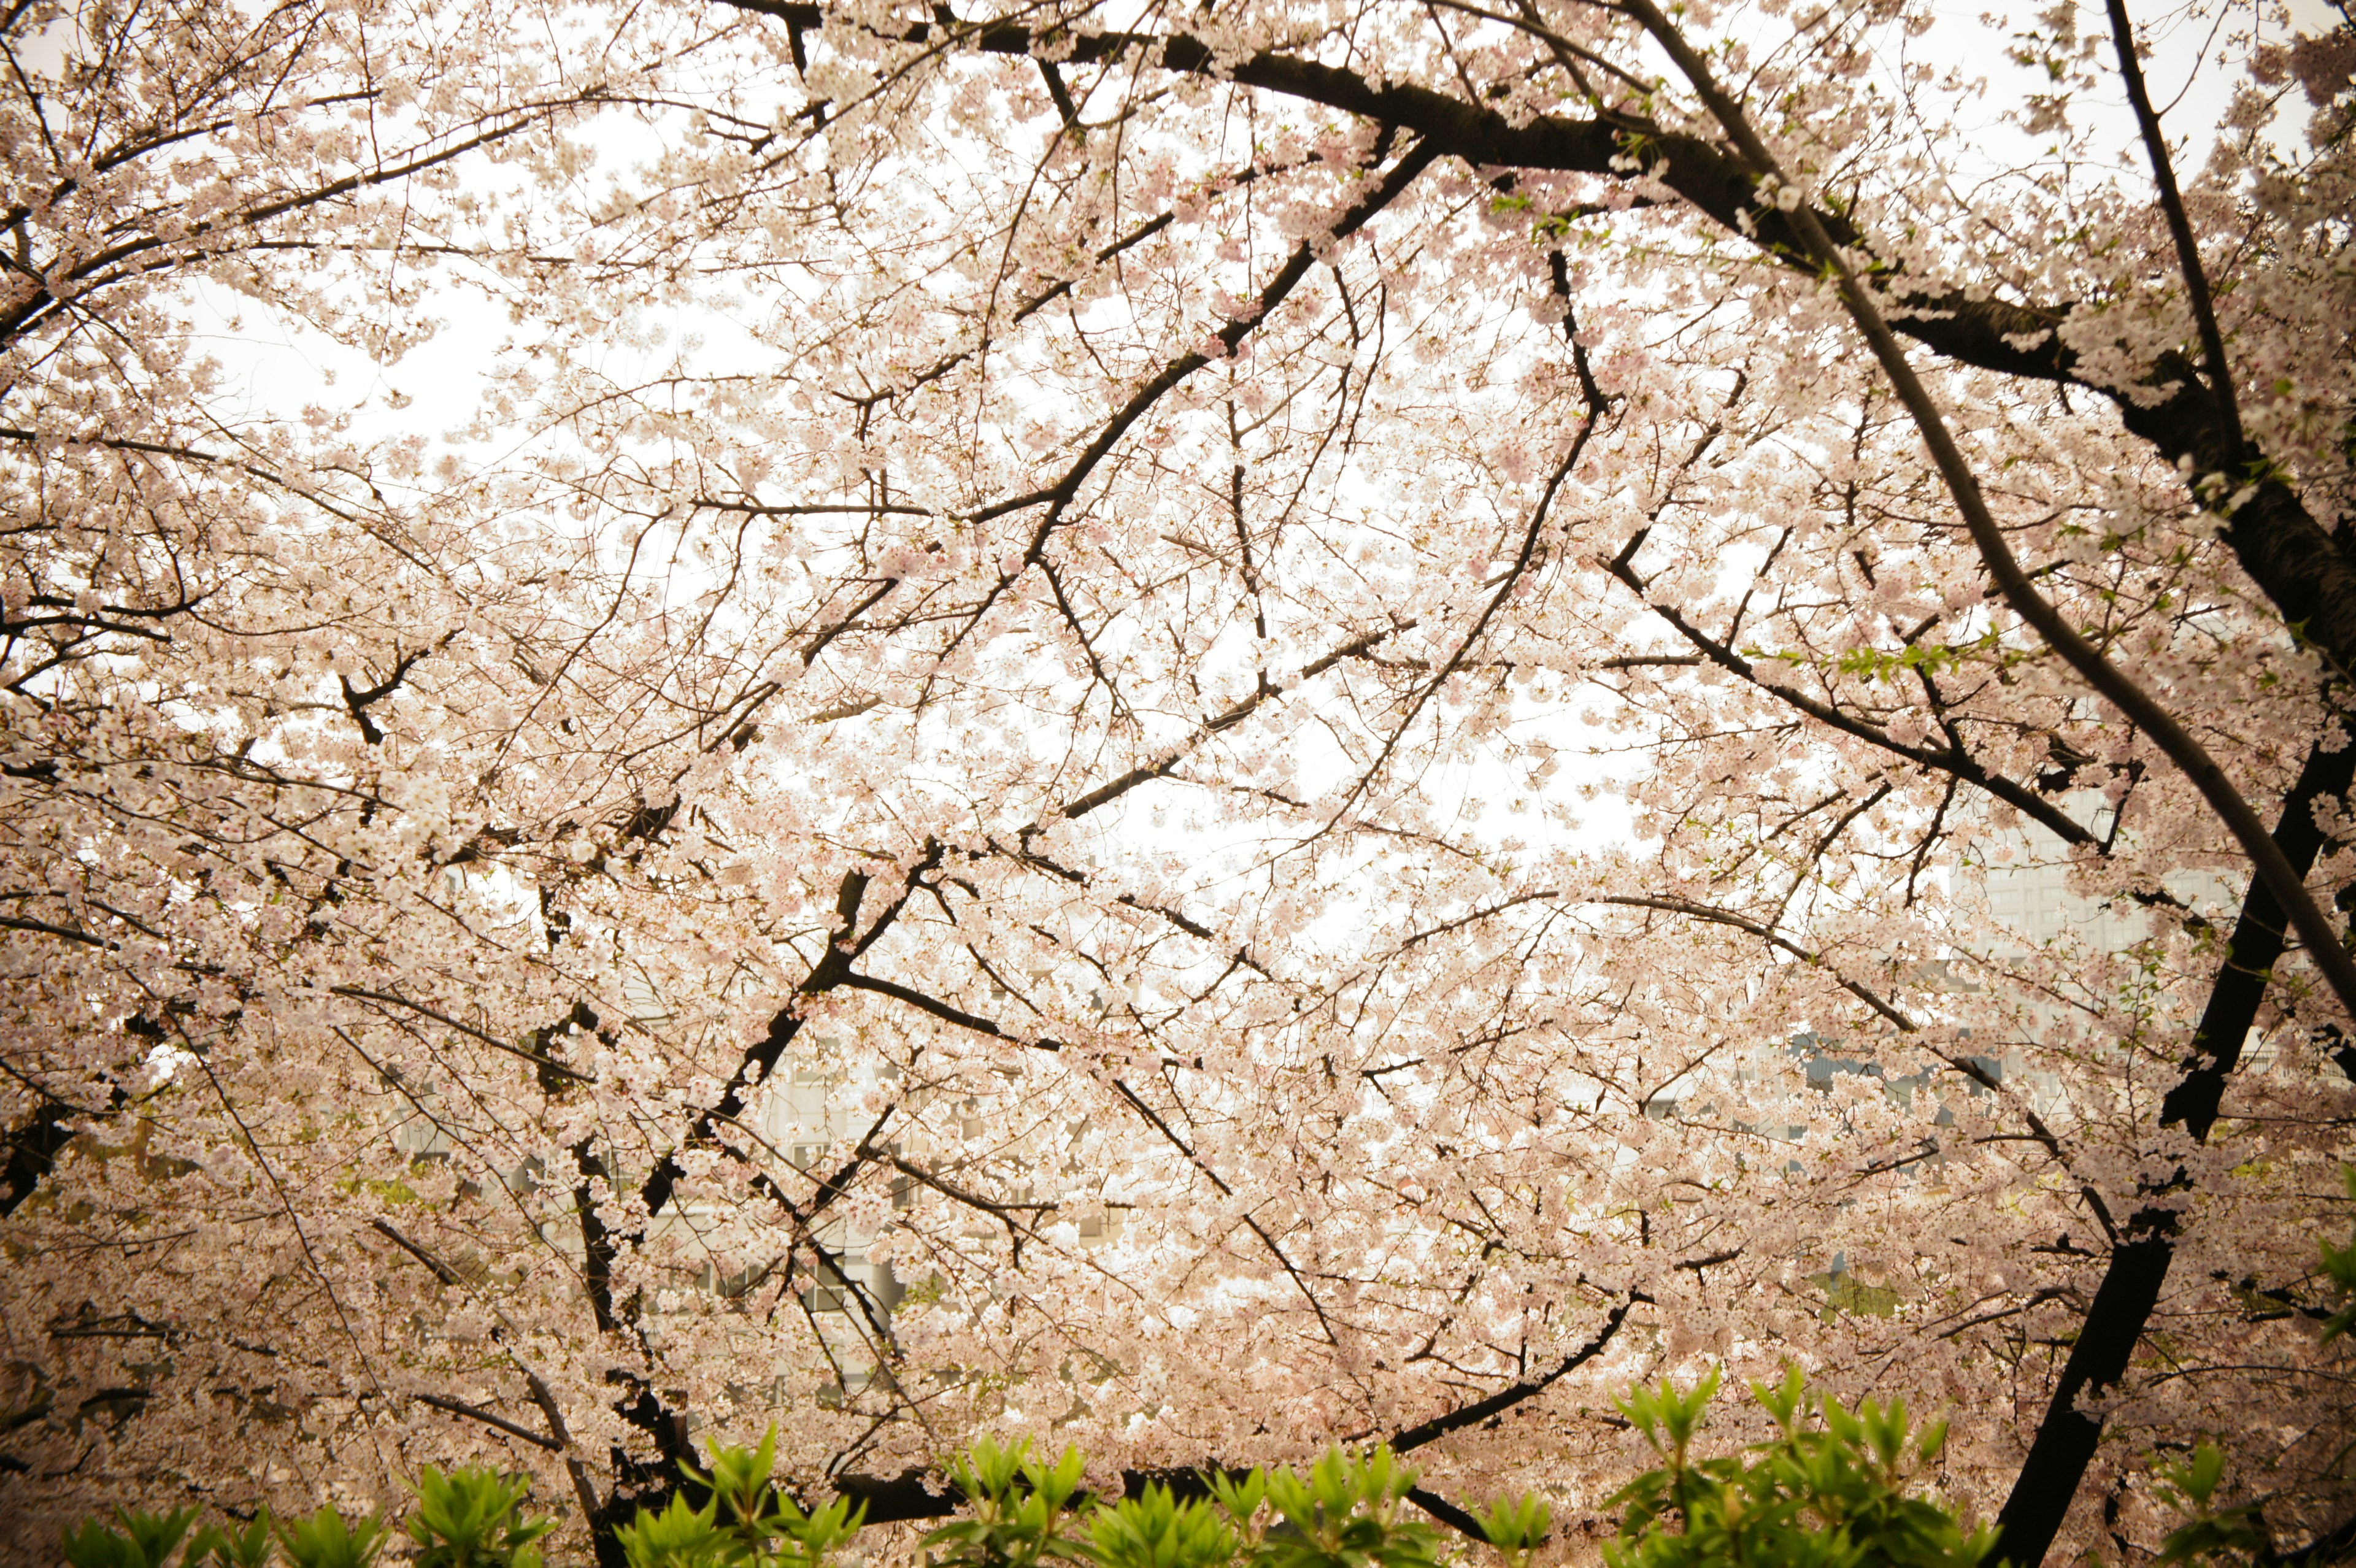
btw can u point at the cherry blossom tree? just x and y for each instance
(1357, 682)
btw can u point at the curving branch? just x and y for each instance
(1512, 1394)
(2179, 230)
(2293, 559)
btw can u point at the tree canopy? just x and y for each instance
(1368, 687)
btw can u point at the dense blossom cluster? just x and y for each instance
(1350, 668)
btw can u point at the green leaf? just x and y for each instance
(1518, 1526)
(1019, 1517)
(93, 1545)
(1242, 1499)
(473, 1519)
(1833, 1495)
(144, 1540)
(679, 1537)
(2235, 1534)
(229, 1547)
(1153, 1531)
(328, 1540)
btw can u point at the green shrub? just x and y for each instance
(1022, 1510)
(1833, 1495)
(473, 1518)
(144, 1540)
(1834, 1488)
(1156, 1531)
(745, 1523)
(1344, 1513)
(328, 1539)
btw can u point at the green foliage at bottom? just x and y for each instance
(746, 1523)
(1835, 1495)
(1836, 1487)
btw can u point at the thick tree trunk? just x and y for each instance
(2066, 1439)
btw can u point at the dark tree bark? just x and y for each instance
(2065, 1440)
(33, 1145)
